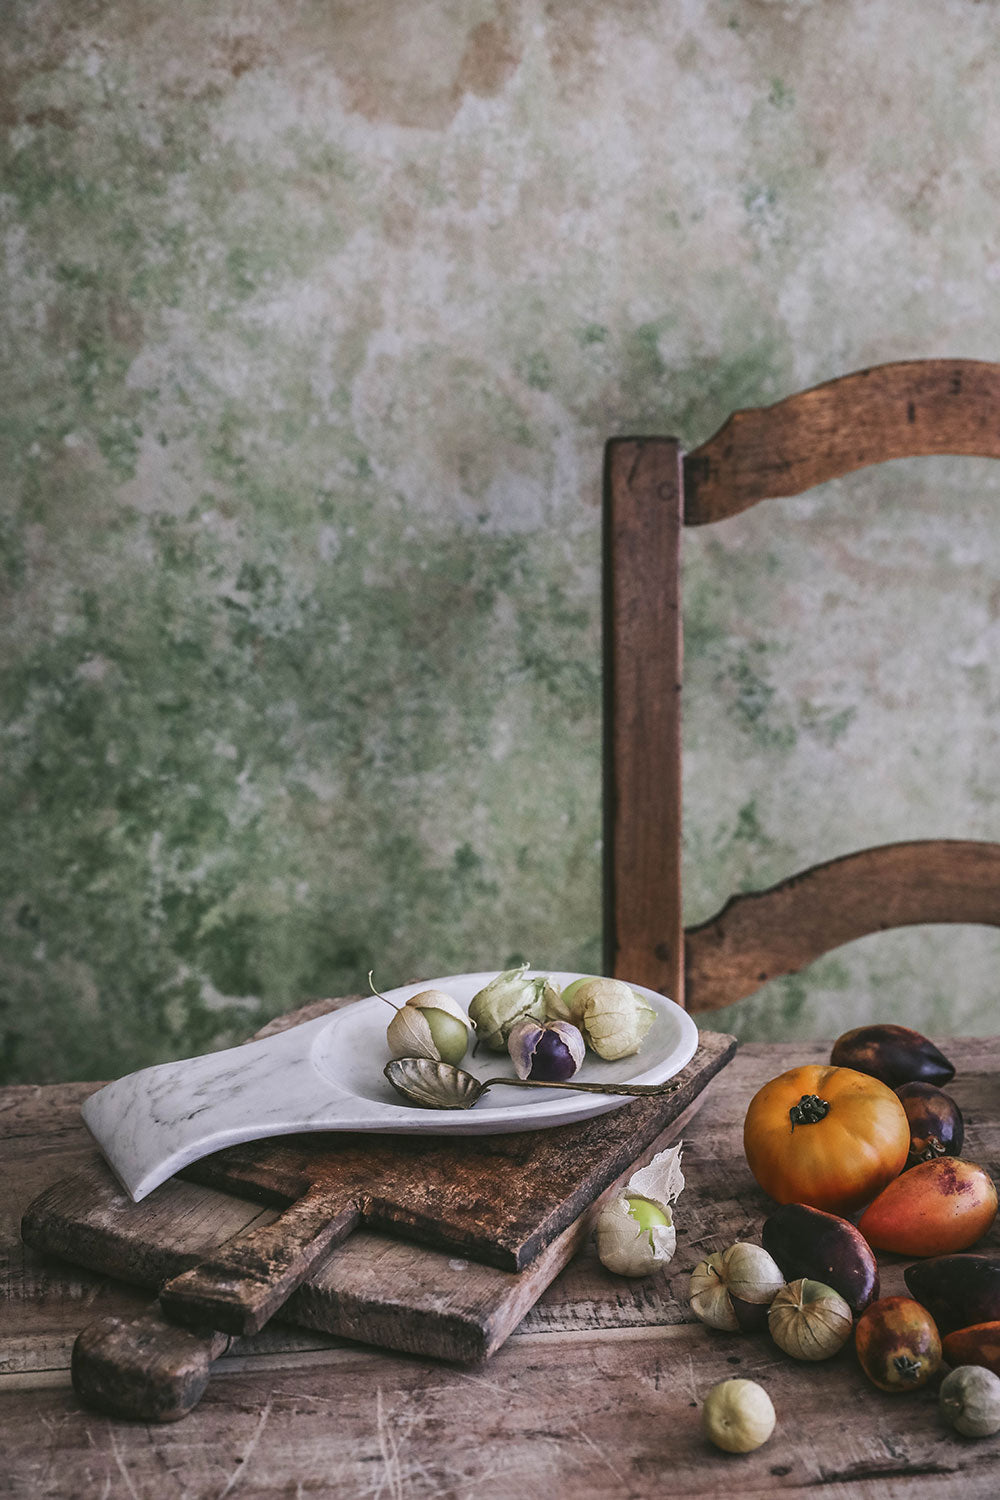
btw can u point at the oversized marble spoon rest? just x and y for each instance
(326, 1075)
(510, 1200)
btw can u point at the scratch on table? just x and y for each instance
(691, 1385)
(490, 1385)
(303, 1396)
(389, 1449)
(247, 1454)
(121, 1464)
(602, 1456)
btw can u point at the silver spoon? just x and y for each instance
(439, 1085)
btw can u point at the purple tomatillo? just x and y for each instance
(548, 1051)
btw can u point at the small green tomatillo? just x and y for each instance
(647, 1215)
(430, 1024)
(449, 1034)
(507, 999)
(567, 1005)
(635, 1233)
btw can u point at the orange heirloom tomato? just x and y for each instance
(828, 1137)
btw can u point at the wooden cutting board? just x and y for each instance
(499, 1215)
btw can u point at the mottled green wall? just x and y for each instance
(315, 319)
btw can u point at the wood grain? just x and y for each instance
(642, 686)
(890, 411)
(240, 1286)
(597, 1395)
(760, 935)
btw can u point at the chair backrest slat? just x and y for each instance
(917, 407)
(764, 934)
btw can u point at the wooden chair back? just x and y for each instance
(652, 490)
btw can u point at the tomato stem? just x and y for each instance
(809, 1110)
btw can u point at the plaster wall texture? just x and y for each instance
(315, 319)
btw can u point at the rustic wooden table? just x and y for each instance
(597, 1394)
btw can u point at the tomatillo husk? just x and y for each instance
(509, 998)
(635, 1233)
(430, 1025)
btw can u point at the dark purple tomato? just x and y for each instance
(808, 1242)
(957, 1290)
(936, 1124)
(894, 1054)
(552, 1061)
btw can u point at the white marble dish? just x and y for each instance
(327, 1075)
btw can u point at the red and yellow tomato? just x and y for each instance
(936, 1208)
(978, 1345)
(898, 1344)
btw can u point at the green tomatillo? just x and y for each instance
(635, 1233)
(430, 1024)
(567, 1004)
(647, 1215)
(613, 1018)
(511, 997)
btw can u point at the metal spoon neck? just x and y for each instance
(633, 1089)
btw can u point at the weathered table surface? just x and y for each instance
(597, 1394)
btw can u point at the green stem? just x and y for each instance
(809, 1110)
(379, 996)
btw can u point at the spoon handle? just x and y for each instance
(587, 1088)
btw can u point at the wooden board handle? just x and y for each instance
(145, 1369)
(156, 1367)
(244, 1283)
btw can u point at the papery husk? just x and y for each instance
(623, 1246)
(613, 1018)
(508, 998)
(709, 1296)
(660, 1180)
(751, 1273)
(438, 1000)
(809, 1320)
(744, 1272)
(970, 1401)
(409, 1034)
(525, 1035)
(560, 1008)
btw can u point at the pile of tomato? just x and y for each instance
(874, 1130)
